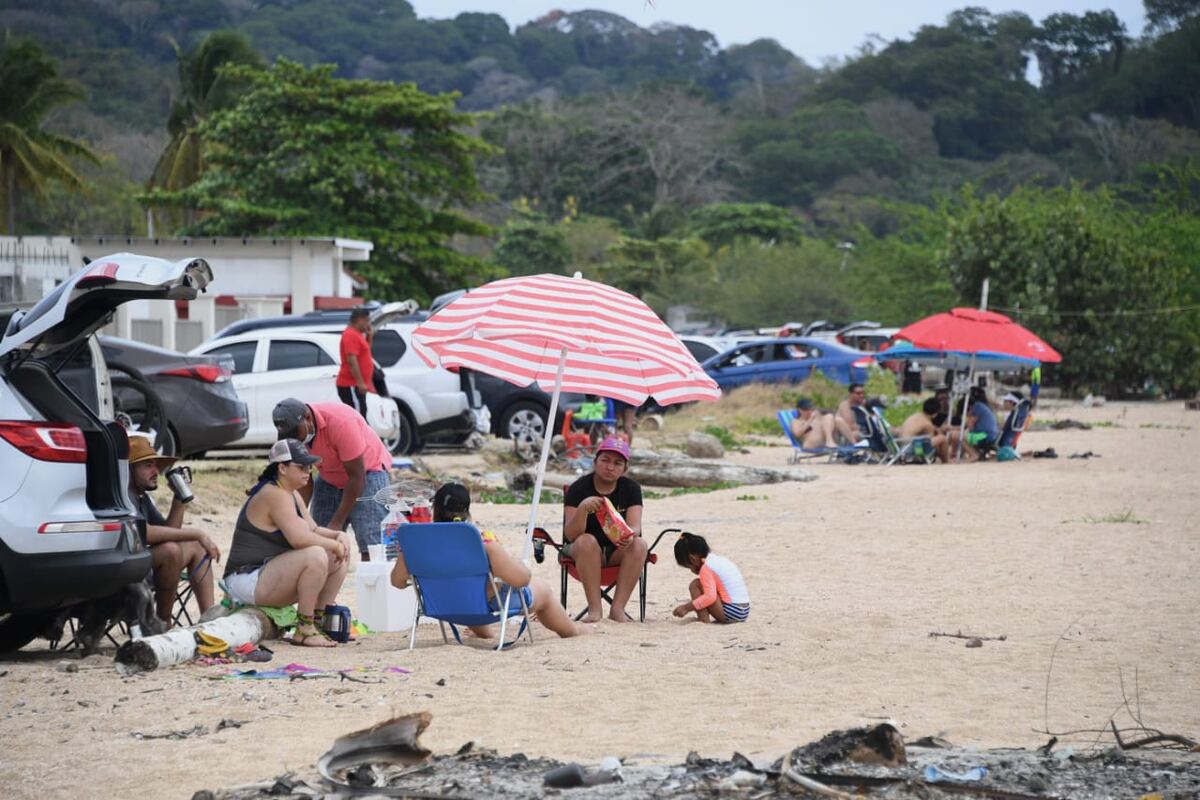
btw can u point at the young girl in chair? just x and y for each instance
(719, 594)
(452, 503)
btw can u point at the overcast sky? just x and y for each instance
(812, 29)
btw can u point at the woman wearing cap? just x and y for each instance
(586, 542)
(452, 503)
(279, 555)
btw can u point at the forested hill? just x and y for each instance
(122, 52)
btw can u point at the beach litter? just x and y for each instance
(387, 760)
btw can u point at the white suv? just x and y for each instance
(431, 401)
(68, 533)
(272, 364)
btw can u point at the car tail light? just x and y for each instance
(46, 441)
(862, 363)
(209, 373)
(103, 273)
(79, 527)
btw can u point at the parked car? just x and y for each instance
(788, 360)
(703, 348)
(271, 365)
(515, 411)
(68, 532)
(194, 394)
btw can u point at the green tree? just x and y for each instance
(31, 157)
(302, 153)
(1076, 266)
(723, 223)
(204, 88)
(530, 248)
(1162, 14)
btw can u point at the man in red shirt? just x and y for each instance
(354, 465)
(354, 378)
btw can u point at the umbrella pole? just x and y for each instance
(962, 423)
(527, 550)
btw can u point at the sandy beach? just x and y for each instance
(849, 575)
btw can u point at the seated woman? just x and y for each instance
(981, 422)
(279, 555)
(452, 503)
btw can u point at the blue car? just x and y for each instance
(787, 360)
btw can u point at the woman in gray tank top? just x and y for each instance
(279, 555)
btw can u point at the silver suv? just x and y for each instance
(68, 533)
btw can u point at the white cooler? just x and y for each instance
(381, 606)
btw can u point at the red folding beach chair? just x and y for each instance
(608, 575)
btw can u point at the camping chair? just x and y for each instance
(599, 427)
(870, 425)
(1015, 424)
(608, 575)
(800, 452)
(451, 573)
(909, 450)
(185, 593)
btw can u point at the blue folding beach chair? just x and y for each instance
(800, 452)
(452, 576)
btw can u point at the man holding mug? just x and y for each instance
(172, 546)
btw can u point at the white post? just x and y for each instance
(983, 295)
(527, 550)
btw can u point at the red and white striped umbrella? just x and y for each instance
(563, 333)
(518, 328)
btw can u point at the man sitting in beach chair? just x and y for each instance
(850, 417)
(812, 429)
(920, 425)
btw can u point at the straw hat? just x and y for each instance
(141, 450)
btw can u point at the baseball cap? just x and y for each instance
(292, 450)
(1010, 398)
(804, 404)
(287, 416)
(614, 444)
(140, 450)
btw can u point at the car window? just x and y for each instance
(242, 354)
(388, 347)
(288, 354)
(699, 350)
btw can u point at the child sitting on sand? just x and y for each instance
(719, 594)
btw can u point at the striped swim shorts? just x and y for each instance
(736, 612)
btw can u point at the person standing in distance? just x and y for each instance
(354, 378)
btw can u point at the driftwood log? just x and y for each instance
(178, 646)
(672, 470)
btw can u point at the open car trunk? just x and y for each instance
(38, 343)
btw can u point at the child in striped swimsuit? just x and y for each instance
(719, 594)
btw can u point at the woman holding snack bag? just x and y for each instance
(602, 528)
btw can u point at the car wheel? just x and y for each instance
(524, 421)
(18, 630)
(404, 441)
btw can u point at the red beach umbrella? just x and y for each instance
(564, 333)
(971, 331)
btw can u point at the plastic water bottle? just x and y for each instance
(388, 529)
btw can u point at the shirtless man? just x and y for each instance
(921, 424)
(844, 422)
(811, 428)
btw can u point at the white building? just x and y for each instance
(252, 277)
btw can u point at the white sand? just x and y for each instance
(848, 574)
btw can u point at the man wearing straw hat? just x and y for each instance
(172, 546)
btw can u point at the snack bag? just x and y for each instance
(613, 525)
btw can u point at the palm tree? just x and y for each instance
(30, 156)
(203, 89)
